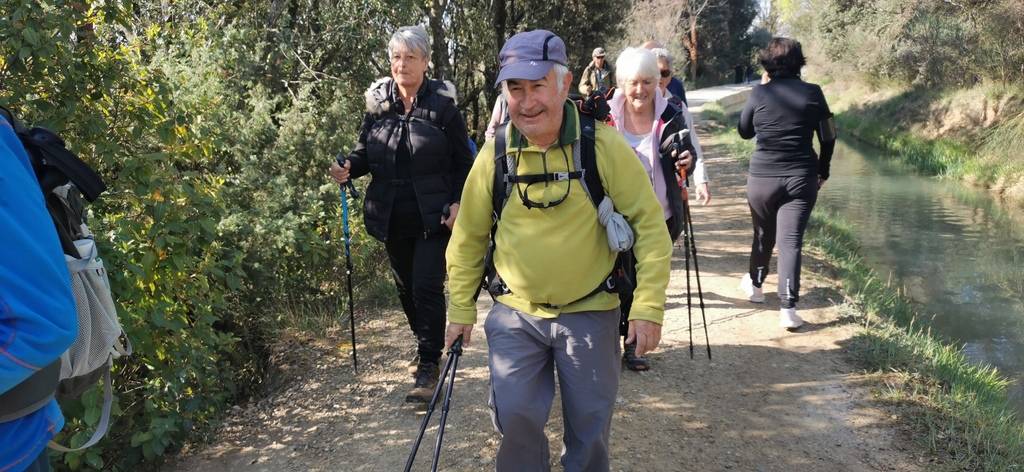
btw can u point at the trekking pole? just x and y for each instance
(348, 266)
(454, 353)
(696, 271)
(686, 257)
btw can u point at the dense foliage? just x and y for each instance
(923, 42)
(213, 124)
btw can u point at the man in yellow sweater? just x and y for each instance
(551, 257)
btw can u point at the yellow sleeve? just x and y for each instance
(626, 182)
(470, 236)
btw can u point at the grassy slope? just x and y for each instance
(974, 135)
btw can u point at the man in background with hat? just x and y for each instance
(598, 74)
(551, 251)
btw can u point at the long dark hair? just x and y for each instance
(782, 58)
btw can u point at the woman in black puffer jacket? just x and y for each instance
(414, 144)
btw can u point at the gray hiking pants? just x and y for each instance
(525, 354)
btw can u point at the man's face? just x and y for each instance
(599, 61)
(535, 106)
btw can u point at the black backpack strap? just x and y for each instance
(31, 394)
(49, 152)
(591, 176)
(670, 112)
(500, 190)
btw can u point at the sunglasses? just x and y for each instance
(542, 179)
(666, 73)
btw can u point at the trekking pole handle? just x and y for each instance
(352, 189)
(456, 347)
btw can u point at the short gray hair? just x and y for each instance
(662, 53)
(413, 38)
(560, 72)
(636, 63)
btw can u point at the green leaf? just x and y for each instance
(30, 36)
(141, 438)
(94, 460)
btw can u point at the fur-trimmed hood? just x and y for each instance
(382, 93)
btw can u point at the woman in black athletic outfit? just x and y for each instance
(783, 112)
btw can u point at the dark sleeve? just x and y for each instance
(746, 124)
(462, 156)
(826, 135)
(360, 165)
(676, 87)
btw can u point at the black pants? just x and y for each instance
(418, 268)
(780, 208)
(626, 297)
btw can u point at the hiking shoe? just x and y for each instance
(423, 388)
(788, 319)
(634, 362)
(754, 294)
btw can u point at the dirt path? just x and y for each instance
(769, 401)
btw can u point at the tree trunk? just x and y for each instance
(439, 54)
(499, 14)
(693, 50)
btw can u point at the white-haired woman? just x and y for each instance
(414, 144)
(643, 114)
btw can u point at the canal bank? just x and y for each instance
(956, 406)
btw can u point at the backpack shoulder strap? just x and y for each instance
(500, 190)
(591, 176)
(49, 150)
(671, 111)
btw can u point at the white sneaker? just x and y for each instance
(754, 294)
(788, 319)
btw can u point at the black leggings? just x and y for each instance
(417, 265)
(780, 208)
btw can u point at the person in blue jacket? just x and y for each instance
(37, 309)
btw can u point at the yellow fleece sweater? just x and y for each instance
(557, 255)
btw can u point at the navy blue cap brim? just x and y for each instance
(524, 70)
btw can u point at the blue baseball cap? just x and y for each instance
(530, 55)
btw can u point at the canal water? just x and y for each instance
(958, 254)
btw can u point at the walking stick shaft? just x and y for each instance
(686, 256)
(348, 271)
(444, 412)
(696, 270)
(450, 365)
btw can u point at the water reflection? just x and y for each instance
(954, 249)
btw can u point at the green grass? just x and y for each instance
(723, 130)
(936, 157)
(961, 408)
(986, 156)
